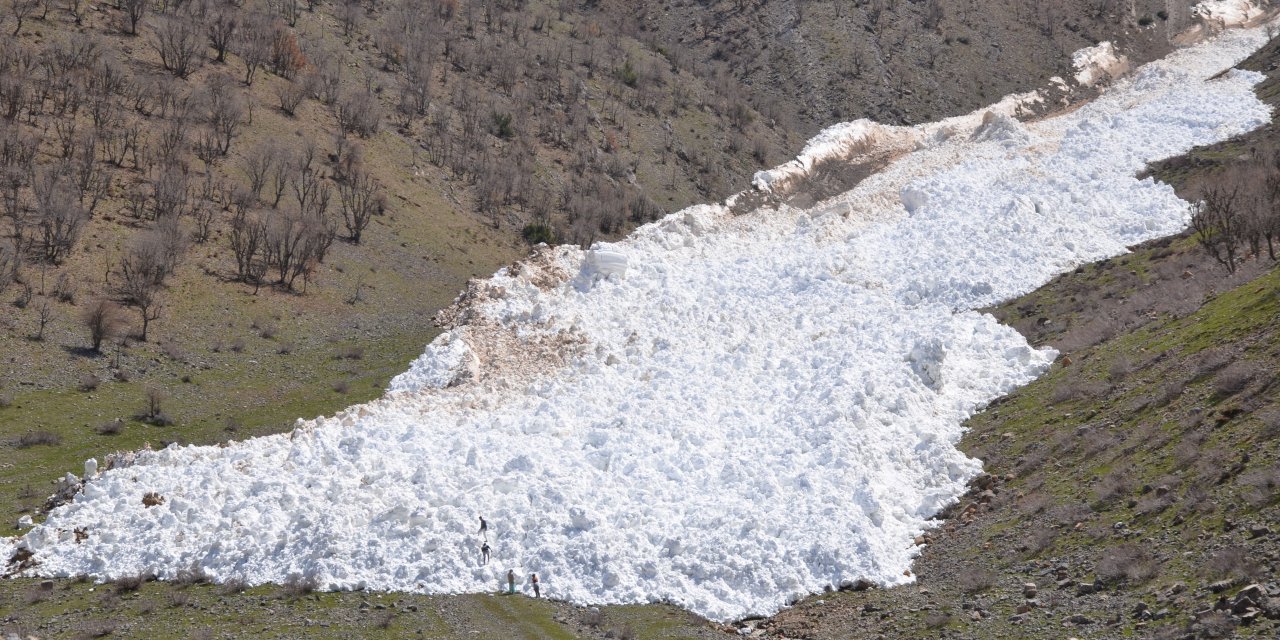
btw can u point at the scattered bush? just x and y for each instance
(536, 232)
(973, 580)
(234, 586)
(36, 438)
(297, 586)
(1232, 563)
(1234, 378)
(112, 428)
(342, 386)
(132, 583)
(88, 382)
(1127, 562)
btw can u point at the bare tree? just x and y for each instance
(1217, 224)
(44, 313)
(145, 266)
(21, 10)
(360, 199)
(291, 94)
(247, 245)
(226, 114)
(102, 319)
(178, 41)
(61, 218)
(221, 28)
(258, 164)
(358, 112)
(254, 45)
(134, 10)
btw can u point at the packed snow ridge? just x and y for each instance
(721, 411)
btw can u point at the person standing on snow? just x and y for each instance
(511, 581)
(484, 553)
(484, 529)
(537, 593)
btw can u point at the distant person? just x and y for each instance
(484, 529)
(511, 581)
(537, 593)
(484, 553)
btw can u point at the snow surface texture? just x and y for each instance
(1228, 13)
(720, 411)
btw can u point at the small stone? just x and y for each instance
(1024, 608)
(1066, 583)
(46, 585)
(975, 616)
(1080, 618)
(1177, 588)
(1220, 586)
(1258, 531)
(1085, 588)
(1162, 489)
(1029, 590)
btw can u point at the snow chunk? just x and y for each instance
(1097, 64)
(448, 361)
(1228, 13)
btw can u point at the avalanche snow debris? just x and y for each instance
(764, 405)
(1099, 63)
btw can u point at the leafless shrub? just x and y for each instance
(129, 584)
(1119, 369)
(1035, 502)
(342, 386)
(179, 43)
(114, 427)
(179, 599)
(99, 628)
(297, 586)
(1260, 485)
(1070, 390)
(1127, 562)
(1038, 540)
(37, 438)
(1234, 378)
(234, 586)
(1114, 485)
(937, 619)
(385, 620)
(976, 579)
(351, 352)
(237, 345)
(64, 289)
(189, 577)
(88, 382)
(359, 113)
(154, 412)
(1212, 360)
(593, 619)
(6, 399)
(1232, 563)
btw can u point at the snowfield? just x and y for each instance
(720, 411)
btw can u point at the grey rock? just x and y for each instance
(1086, 588)
(1258, 531)
(1080, 618)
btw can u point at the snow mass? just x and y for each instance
(721, 411)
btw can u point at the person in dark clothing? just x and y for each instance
(537, 593)
(484, 529)
(484, 553)
(511, 581)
